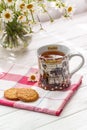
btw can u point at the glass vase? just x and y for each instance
(12, 47)
(15, 43)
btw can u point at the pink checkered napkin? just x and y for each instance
(49, 102)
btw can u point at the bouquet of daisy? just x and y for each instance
(17, 18)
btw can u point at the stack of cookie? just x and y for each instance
(23, 94)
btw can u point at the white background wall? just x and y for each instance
(79, 5)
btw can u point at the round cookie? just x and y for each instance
(11, 93)
(27, 94)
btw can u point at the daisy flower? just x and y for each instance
(31, 8)
(69, 10)
(9, 2)
(32, 78)
(7, 15)
(34, 7)
(22, 18)
(20, 5)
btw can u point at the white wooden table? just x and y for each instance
(74, 116)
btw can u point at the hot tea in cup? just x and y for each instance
(54, 66)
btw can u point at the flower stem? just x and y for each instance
(41, 28)
(32, 16)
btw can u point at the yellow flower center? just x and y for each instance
(9, 0)
(7, 15)
(30, 6)
(22, 6)
(70, 9)
(33, 77)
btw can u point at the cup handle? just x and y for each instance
(80, 64)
